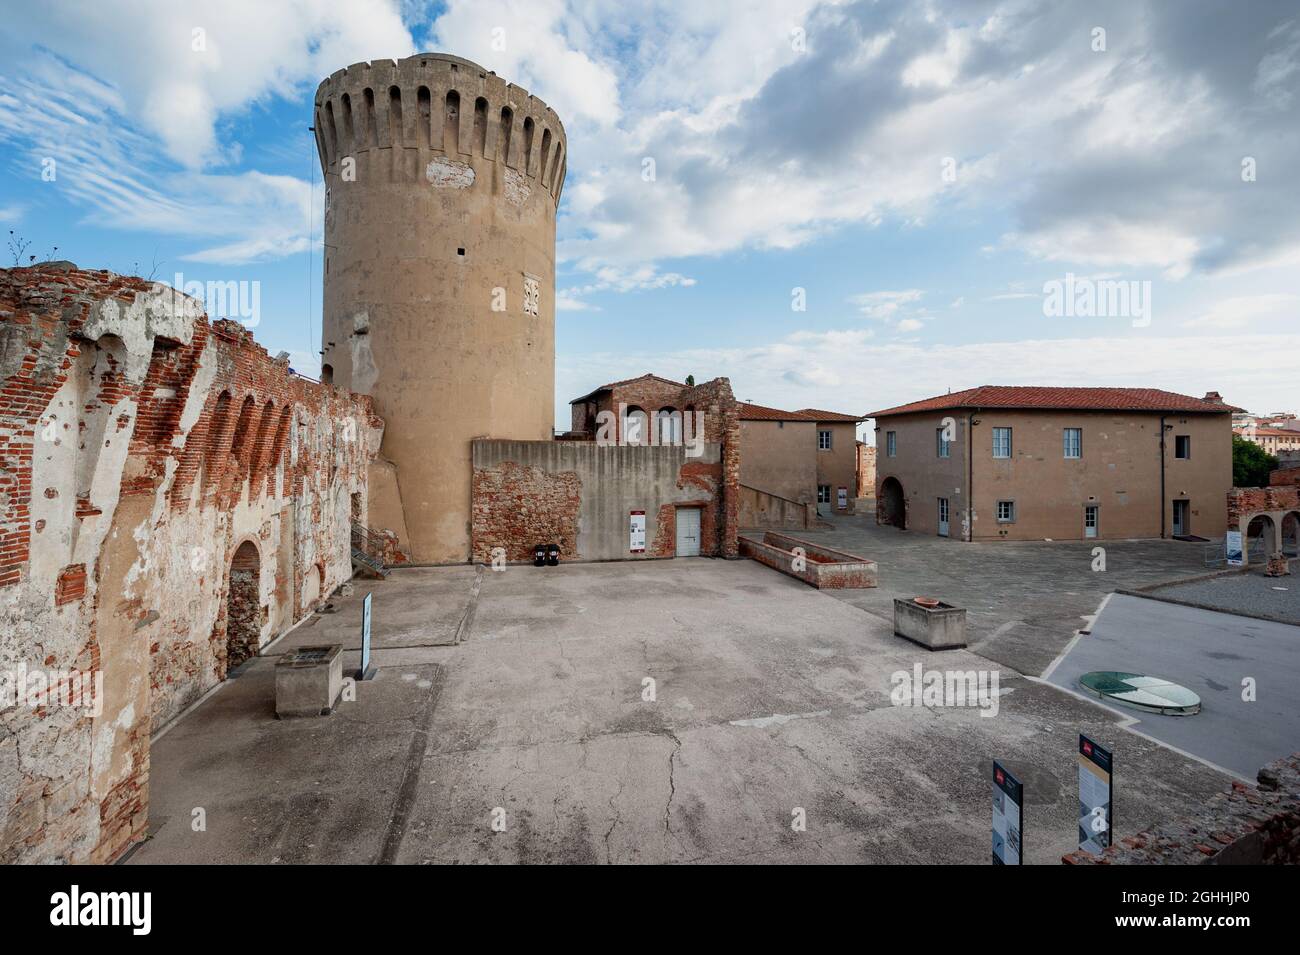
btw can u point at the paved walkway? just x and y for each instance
(1276, 598)
(771, 704)
(1024, 599)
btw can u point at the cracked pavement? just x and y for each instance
(770, 697)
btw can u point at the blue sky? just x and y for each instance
(920, 170)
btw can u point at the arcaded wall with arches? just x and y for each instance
(1269, 521)
(160, 474)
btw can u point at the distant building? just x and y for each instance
(1272, 439)
(866, 469)
(1020, 463)
(640, 410)
(805, 456)
(793, 464)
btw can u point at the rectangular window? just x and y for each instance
(823, 440)
(1074, 442)
(1002, 442)
(1006, 512)
(823, 493)
(942, 446)
(1183, 446)
(891, 443)
(1090, 520)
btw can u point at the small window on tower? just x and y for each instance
(460, 251)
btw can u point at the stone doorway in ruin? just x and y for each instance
(243, 610)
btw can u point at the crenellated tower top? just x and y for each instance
(444, 105)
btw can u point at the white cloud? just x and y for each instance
(132, 112)
(535, 44)
(564, 302)
(109, 168)
(1243, 310)
(176, 68)
(885, 305)
(847, 371)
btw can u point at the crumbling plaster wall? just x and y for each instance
(139, 447)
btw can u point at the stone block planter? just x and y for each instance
(938, 627)
(308, 681)
(823, 567)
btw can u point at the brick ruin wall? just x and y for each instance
(1243, 826)
(1247, 501)
(517, 504)
(140, 447)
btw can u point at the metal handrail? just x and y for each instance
(368, 542)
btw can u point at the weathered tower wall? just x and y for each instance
(442, 186)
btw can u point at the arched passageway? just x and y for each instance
(892, 508)
(1261, 538)
(1291, 534)
(243, 606)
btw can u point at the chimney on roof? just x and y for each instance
(1213, 396)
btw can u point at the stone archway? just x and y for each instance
(635, 426)
(891, 508)
(1290, 542)
(243, 606)
(1262, 528)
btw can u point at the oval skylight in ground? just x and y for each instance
(1150, 693)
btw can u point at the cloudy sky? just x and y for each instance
(853, 204)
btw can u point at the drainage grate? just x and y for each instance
(306, 656)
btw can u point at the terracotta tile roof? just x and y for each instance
(1268, 432)
(627, 381)
(823, 415)
(749, 412)
(752, 412)
(1061, 399)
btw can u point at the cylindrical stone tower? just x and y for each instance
(442, 182)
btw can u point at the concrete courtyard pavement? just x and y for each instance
(769, 698)
(1250, 593)
(1211, 654)
(1024, 599)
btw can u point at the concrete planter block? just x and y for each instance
(823, 567)
(308, 681)
(936, 628)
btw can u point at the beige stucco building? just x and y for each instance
(442, 182)
(1055, 463)
(803, 456)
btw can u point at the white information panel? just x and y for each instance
(1232, 548)
(636, 533)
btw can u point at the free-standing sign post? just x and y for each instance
(1232, 548)
(1008, 817)
(636, 532)
(366, 671)
(1096, 767)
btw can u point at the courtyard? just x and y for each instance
(1024, 599)
(689, 710)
